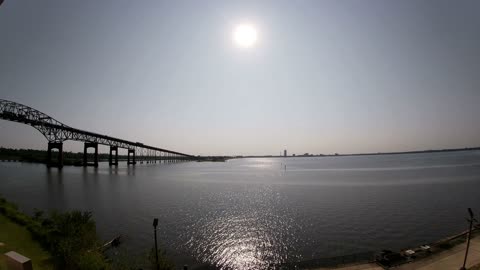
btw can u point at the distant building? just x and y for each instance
(285, 152)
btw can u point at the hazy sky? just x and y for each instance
(324, 76)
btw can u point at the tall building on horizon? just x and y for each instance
(285, 152)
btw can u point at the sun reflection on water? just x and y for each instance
(252, 235)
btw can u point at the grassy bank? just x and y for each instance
(66, 241)
(70, 238)
(19, 239)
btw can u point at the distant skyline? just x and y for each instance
(323, 76)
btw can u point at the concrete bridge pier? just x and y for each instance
(110, 157)
(95, 155)
(133, 162)
(59, 162)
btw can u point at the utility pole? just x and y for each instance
(468, 237)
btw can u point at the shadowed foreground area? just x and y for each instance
(17, 238)
(66, 241)
(70, 238)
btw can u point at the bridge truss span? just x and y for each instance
(56, 133)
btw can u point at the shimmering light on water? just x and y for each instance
(239, 239)
(251, 213)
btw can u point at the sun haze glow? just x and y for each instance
(245, 35)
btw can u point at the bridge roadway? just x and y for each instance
(57, 132)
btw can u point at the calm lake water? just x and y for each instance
(248, 213)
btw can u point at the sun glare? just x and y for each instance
(245, 35)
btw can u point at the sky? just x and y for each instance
(323, 77)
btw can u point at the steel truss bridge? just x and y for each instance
(57, 132)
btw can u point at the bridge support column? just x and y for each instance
(133, 162)
(110, 157)
(95, 155)
(59, 162)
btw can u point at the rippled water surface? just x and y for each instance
(249, 213)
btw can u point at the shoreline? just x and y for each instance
(446, 251)
(75, 159)
(369, 154)
(438, 250)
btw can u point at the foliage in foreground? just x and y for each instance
(18, 238)
(69, 237)
(72, 240)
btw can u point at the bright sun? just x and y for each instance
(245, 35)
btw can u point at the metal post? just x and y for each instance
(155, 223)
(468, 237)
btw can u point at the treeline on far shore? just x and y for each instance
(40, 156)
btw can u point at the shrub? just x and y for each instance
(70, 237)
(90, 261)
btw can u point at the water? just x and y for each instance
(248, 213)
